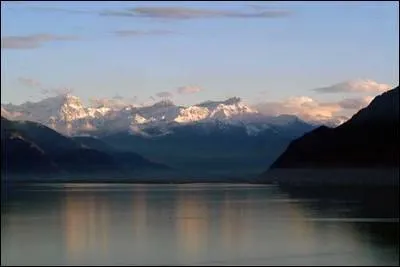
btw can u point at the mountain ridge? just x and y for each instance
(66, 114)
(29, 148)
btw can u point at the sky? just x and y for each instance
(327, 58)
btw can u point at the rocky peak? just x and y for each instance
(164, 103)
(232, 101)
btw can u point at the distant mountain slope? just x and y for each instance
(126, 159)
(92, 143)
(370, 139)
(223, 136)
(46, 138)
(32, 148)
(213, 146)
(19, 154)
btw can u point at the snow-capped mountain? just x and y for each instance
(5, 113)
(67, 114)
(63, 113)
(221, 136)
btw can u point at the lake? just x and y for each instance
(192, 224)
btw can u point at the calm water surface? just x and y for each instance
(73, 224)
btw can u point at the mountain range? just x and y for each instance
(68, 115)
(213, 138)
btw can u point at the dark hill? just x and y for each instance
(29, 148)
(370, 139)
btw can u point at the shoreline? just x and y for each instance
(284, 177)
(332, 177)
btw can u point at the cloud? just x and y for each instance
(32, 41)
(265, 92)
(164, 94)
(114, 102)
(355, 103)
(189, 90)
(13, 2)
(59, 9)
(181, 13)
(356, 86)
(304, 107)
(312, 110)
(126, 99)
(129, 33)
(57, 91)
(175, 13)
(29, 82)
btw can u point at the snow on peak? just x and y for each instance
(137, 119)
(5, 113)
(229, 109)
(62, 107)
(214, 104)
(191, 114)
(70, 97)
(72, 109)
(67, 114)
(214, 110)
(97, 112)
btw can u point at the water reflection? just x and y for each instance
(139, 214)
(191, 219)
(86, 224)
(191, 224)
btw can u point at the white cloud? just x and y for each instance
(356, 86)
(189, 90)
(115, 102)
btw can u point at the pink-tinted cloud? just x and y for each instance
(355, 103)
(310, 109)
(133, 33)
(302, 106)
(32, 41)
(184, 13)
(189, 90)
(356, 86)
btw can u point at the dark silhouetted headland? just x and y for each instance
(363, 150)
